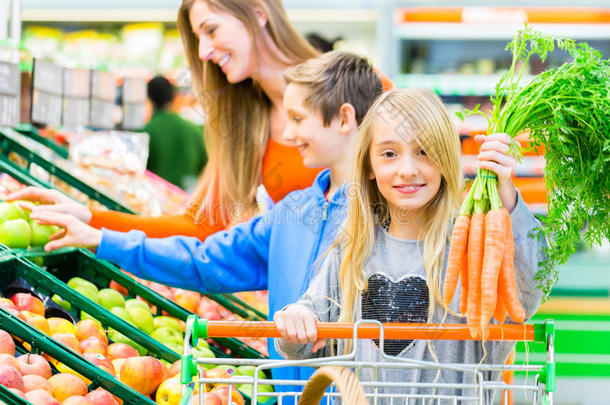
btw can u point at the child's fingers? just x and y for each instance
(311, 330)
(51, 218)
(319, 344)
(495, 156)
(497, 146)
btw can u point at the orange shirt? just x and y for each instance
(283, 171)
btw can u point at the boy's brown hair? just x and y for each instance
(336, 78)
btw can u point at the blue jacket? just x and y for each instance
(277, 251)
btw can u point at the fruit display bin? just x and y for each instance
(14, 269)
(43, 344)
(9, 144)
(63, 264)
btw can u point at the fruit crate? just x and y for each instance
(8, 397)
(15, 269)
(43, 344)
(11, 143)
(63, 264)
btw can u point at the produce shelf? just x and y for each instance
(10, 142)
(66, 263)
(11, 268)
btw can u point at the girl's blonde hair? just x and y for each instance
(421, 117)
(236, 115)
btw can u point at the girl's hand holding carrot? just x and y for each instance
(297, 324)
(494, 156)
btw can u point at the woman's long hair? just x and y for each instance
(236, 115)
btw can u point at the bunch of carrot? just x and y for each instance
(481, 255)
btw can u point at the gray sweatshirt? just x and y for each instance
(397, 292)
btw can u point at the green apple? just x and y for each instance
(123, 314)
(166, 321)
(249, 371)
(202, 352)
(77, 281)
(42, 233)
(109, 298)
(203, 344)
(15, 233)
(246, 389)
(118, 337)
(134, 302)
(175, 347)
(26, 213)
(61, 302)
(84, 315)
(88, 292)
(142, 318)
(167, 335)
(38, 260)
(9, 211)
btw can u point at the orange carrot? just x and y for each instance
(500, 311)
(507, 278)
(495, 235)
(475, 262)
(457, 249)
(464, 283)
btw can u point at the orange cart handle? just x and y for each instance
(327, 330)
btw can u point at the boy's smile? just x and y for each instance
(319, 145)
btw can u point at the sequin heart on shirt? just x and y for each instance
(386, 301)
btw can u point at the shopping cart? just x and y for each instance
(538, 386)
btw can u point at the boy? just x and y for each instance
(325, 101)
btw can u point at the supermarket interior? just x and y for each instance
(118, 116)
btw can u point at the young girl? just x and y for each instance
(388, 264)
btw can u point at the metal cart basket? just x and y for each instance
(339, 371)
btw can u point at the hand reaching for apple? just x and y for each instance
(74, 232)
(53, 201)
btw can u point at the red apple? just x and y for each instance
(10, 377)
(37, 321)
(116, 286)
(61, 325)
(220, 372)
(121, 351)
(90, 327)
(66, 385)
(41, 397)
(7, 345)
(144, 374)
(33, 382)
(7, 304)
(77, 400)
(34, 364)
(94, 344)
(117, 364)
(27, 302)
(9, 360)
(17, 392)
(101, 397)
(223, 393)
(174, 369)
(209, 398)
(101, 361)
(187, 299)
(69, 341)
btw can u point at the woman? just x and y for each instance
(237, 52)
